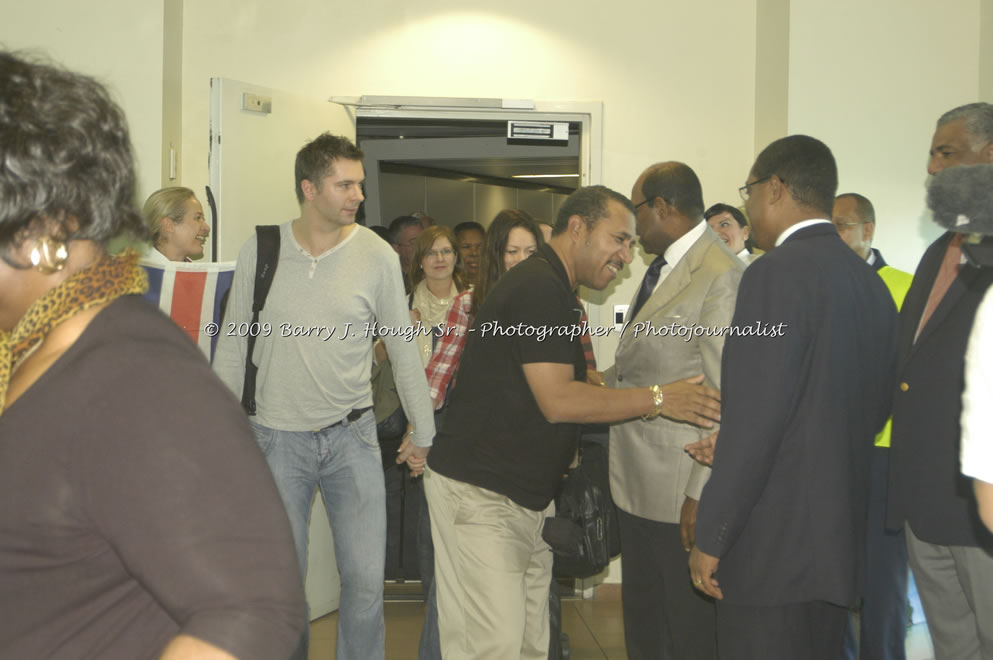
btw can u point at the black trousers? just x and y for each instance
(803, 631)
(665, 618)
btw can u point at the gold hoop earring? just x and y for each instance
(49, 255)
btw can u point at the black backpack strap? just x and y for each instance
(267, 237)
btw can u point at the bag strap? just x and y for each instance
(267, 238)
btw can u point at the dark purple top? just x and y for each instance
(135, 506)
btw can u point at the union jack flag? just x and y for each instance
(190, 294)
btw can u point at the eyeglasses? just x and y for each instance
(652, 198)
(746, 190)
(643, 202)
(842, 226)
(443, 253)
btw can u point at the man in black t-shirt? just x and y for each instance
(512, 428)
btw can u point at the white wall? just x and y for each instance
(870, 79)
(121, 45)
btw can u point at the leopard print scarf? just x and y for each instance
(107, 279)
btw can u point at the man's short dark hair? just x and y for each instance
(65, 152)
(316, 160)
(978, 122)
(677, 184)
(469, 225)
(863, 207)
(401, 223)
(720, 208)
(382, 232)
(806, 166)
(589, 203)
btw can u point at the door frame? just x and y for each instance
(588, 114)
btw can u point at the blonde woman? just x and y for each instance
(179, 230)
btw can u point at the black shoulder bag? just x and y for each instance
(267, 237)
(583, 533)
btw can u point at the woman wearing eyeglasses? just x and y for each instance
(434, 283)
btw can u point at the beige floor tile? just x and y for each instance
(595, 629)
(581, 620)
(582, 644)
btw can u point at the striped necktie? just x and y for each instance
(647, 285)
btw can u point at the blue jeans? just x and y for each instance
(344, 462)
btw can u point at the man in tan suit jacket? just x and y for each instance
(673, 330)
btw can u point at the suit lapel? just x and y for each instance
(628, 321)
(916, 300)
(674, 282)
(955, 292)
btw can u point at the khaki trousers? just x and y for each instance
(492, 572)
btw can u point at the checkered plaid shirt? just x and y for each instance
(584, 320)
(448, 349)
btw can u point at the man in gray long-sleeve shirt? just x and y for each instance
(314, 420)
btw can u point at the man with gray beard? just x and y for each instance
(948, 548)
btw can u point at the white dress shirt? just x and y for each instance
(678, 250)
(789, 231)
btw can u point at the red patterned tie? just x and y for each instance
(947, 273)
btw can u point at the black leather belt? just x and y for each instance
(352, 416)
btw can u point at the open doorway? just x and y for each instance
(456, 163)
(458, 170)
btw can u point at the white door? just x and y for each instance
(252, 153)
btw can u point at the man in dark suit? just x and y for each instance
(882, 622)
(783, 514)
(948, 548)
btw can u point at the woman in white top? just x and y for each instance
(731, 227)
(179, 230)
(434, 283)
